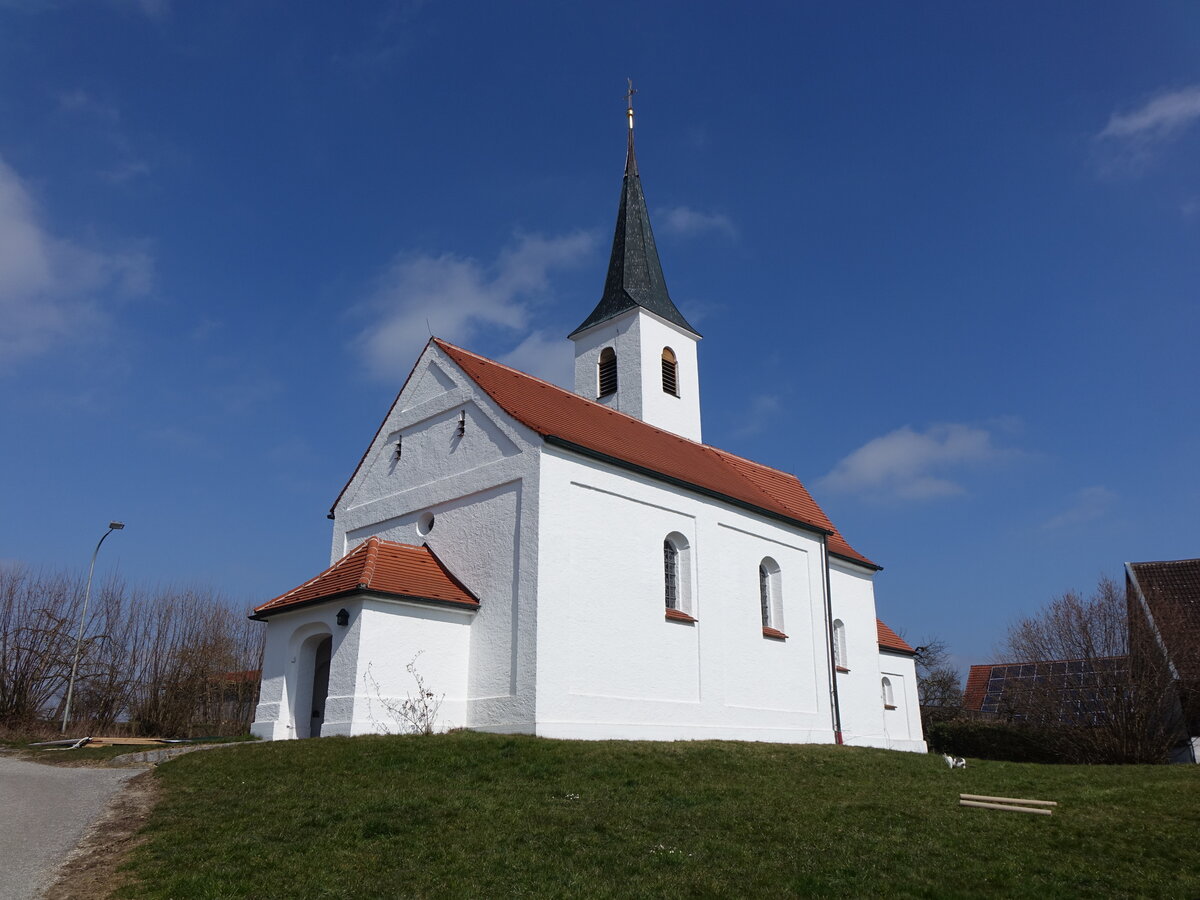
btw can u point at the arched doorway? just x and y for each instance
(320, 685)
(311, 684)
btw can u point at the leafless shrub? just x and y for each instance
(36, 641)
(416, 713)
(170, 662)
(1095, 679)
(938, 683)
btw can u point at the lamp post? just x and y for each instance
(112, 526)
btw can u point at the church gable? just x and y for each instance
(440, 425)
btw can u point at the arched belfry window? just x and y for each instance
(677, 576)
(670, 372)
(607, 372)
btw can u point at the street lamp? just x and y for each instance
(112, 526)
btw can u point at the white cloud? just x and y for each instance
(758, 414)
(547, 355)
(913, 465)
(53, 289)
(1130, 138)
(458, 298)
(1158, 119)
(685, 222)
(1087, 504)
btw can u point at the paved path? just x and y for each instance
(44, 811)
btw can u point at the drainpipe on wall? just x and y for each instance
(833, 689)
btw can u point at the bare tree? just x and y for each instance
(938, 682)
(1089, 679)
(36, 640)
(170, 662)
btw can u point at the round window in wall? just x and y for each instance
(425, 523)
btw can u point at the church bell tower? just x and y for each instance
(636, 352)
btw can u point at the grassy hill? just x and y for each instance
(485, 815)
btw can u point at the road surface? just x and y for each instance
(44, 811)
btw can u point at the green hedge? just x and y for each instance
(996, 740)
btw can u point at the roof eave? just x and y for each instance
(634, 306)
(261, 615)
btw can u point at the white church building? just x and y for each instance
(580, 564)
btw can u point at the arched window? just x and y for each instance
(769, 600)
(889, 700)
(677, 577)
(671, 573)
(839, 645)
(670, 375)
(607, 372)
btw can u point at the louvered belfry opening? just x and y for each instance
(671, 571)
(669, 372)
(608, 371)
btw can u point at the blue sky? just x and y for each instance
(944, 257)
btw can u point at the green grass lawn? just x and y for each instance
(484, 815)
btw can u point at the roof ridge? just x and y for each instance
(762, 491)
(368, 572)
(1043, 662)
(1163, 562)
(335, 566)
(755, 462)
(527, 400)
(608, 409)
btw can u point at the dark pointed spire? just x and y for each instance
(635, 275)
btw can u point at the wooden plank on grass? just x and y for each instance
(988, 799)
(1008, 806)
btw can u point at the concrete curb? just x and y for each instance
(154, 757)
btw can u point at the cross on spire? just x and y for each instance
(629, 101)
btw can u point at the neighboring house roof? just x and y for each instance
(635, 276)
(576, 423)
(1077, 686)
(889, 640)
(379, 567)
(977, 682)
(1171, 590)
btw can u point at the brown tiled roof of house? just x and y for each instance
(889, 640)
(1172, 592)
(581, 424)
(379, 567)
(977, 682)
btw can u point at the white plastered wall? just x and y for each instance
(902, 725)
(610, 665)
(434, 639)
(481, 488)
(285, 697)
(639, 337)
(864, 720)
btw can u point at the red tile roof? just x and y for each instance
(977, 682)
(380, 567)
(584, 425)
(889, 640)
